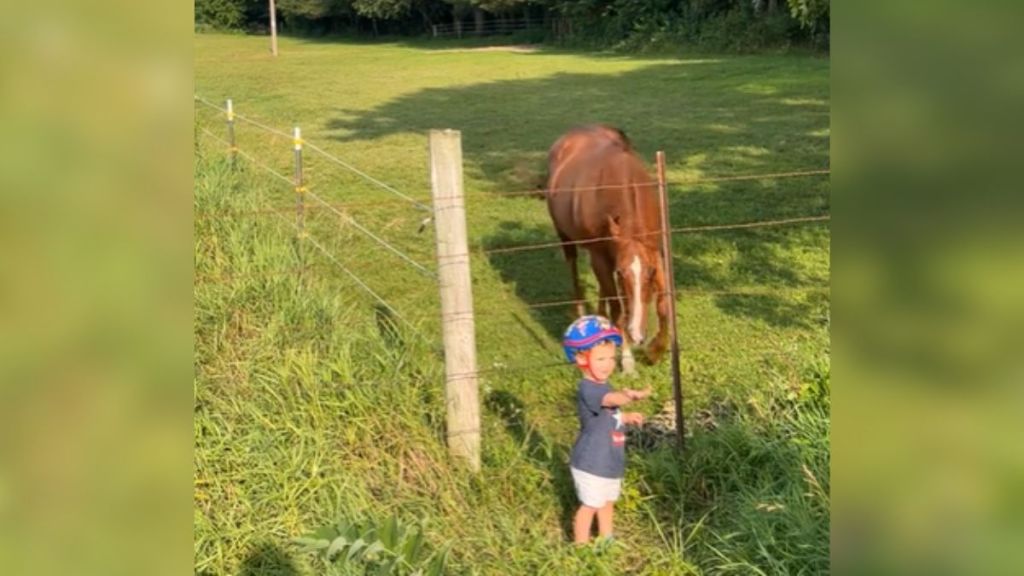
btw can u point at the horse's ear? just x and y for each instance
(613, 226)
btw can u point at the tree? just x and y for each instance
(811, 14)
(220, 14)
(313, 9)
(382, 9)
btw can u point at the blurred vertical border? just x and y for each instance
(928, 287)
(95, 288)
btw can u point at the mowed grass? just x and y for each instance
(315, 402)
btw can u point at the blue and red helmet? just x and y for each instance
(587, 332)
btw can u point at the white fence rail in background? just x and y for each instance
(486, 28)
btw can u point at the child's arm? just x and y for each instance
(638, 394)
(615, 399)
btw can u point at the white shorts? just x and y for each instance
(595, 491)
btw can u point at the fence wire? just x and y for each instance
(348, 218)
(457, 258)
(330, 157)
(542, 191)
(304, 235)
(678, 230)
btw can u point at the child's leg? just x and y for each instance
(604, 518)
(581, 524)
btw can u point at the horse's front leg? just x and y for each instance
(616, 302)
(571, 256)
(628, 361)
(604, 270)
(618, 312)
(662, 296)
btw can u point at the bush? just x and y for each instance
(742, 31)
(219, 15)
(709, 25)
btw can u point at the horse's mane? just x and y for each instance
(616, 134)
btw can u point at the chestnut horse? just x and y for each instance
(601, 197)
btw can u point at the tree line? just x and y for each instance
(734, 25)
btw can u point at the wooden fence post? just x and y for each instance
(666, 243)
(459, 334)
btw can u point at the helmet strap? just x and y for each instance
(583, 363)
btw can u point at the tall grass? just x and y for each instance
(309, 410)
(314, 406)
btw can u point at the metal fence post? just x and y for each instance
(233, 147)
(666, 243)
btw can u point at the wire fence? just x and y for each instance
(305, 235)
(342, 211)
(656, 233)
(507, 25)
(541, 192)
(334, 159)
(330, 207)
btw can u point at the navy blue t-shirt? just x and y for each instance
(600, 448)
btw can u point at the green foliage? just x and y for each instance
(382, 9)
(813, 15)
(313, 9)
(219, 14)
(628, 25)
(311, 405)
(664, 25)
(755, 487)
(383, 548)
(739, 31)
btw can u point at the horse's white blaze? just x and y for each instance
(634, 318)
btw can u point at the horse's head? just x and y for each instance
(637, 260)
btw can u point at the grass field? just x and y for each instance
(314, 403)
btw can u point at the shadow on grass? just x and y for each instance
(268, 559)
(761, 259)
(537, 276)
(387, 328)
(723, 116)
(740, 115)
(548, 455)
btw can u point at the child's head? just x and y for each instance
(590, 343)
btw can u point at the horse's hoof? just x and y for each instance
(655, 354)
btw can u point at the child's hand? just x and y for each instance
(634, 418)
(640, 394)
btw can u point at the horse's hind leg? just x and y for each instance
(571, 256)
